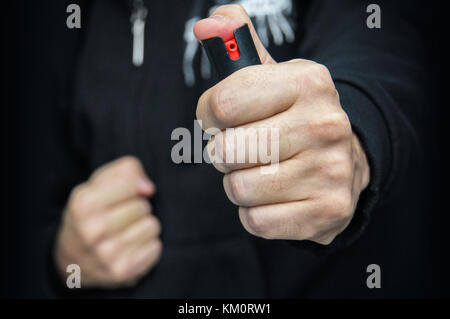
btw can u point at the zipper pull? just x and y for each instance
(137, 20)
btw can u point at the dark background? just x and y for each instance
(29, 46)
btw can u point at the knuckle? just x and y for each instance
(331, 127)
(295, 60)
(225, 148)
(201, 105)
(338, 168)
(79, 202)
(343, 126)
(308, 232)
(77, 191)
(156, 225)
(326, 240)
(87, 235)
(338, 173)
(152, 226)
(118, 272)
(222, 105)
(320, 78)
(256, 224)
(229, 148)
(158, 247)
(216, 153)
(236, 187)
(104, 252)
(130, 165)
(222, 167)
(338, 207)
(320, 234)
(143, 205)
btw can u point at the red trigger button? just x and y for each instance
(232, 49)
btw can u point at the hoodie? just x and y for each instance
(114, 98)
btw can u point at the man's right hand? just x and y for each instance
(108, 228)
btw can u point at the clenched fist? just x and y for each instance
(108, 228)
(322, 166)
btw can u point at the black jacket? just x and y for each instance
(89, 105)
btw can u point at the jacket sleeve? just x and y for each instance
(380, 75)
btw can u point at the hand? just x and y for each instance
(108, 229)
(322, 166)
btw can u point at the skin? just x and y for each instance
(108, 228)
(323, 168)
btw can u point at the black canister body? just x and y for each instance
(225, 58)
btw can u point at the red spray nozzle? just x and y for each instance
(232, 49)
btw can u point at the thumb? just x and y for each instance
(223, 21)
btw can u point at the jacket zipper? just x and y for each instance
(137, 19)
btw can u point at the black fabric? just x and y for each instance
(96, 106)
